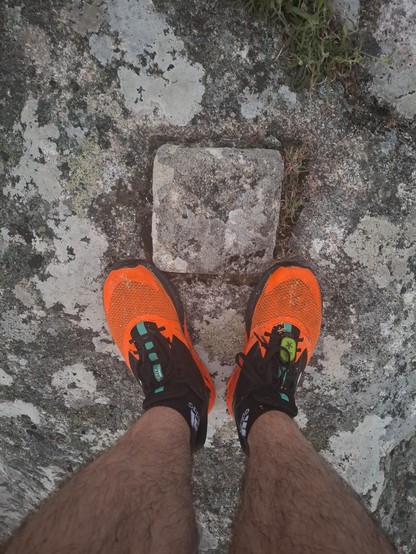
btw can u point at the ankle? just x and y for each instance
(160, 426)
(271, 428)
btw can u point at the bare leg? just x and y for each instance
(134, 498)
(293, 502)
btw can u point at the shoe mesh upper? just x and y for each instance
(290, 299)
(130, 299)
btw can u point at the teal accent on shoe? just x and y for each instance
(149, 345)
(157, 372)
(153, 357)
(141, 328)
(287, 327)
(284, 377)
(160, 389)
(284, 397)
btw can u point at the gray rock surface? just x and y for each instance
(401, 487)
(89, 96)
(394, 75)
(347, 11)
(215, 210)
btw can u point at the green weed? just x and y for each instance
(295, 159)
(317, 49)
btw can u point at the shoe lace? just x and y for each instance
(275, 368)
(165, 357)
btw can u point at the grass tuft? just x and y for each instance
(317, 49)
(295, 160)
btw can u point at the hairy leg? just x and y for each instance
(295, 503)
(134, 498)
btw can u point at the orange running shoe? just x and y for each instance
(147, 321)
(283, 320)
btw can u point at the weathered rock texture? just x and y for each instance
(92, 89)
(394, 75)
(215, 210)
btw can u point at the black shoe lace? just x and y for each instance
(143, 367)
(275, 368)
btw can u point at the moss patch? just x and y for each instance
(85, 172)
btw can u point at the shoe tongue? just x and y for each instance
(143, 329)
(154, 348)
(288, 347)
(283, 342)
(283, 350)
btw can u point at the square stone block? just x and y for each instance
(215, 210)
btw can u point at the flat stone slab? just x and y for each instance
(215, 210)
(394, 72)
